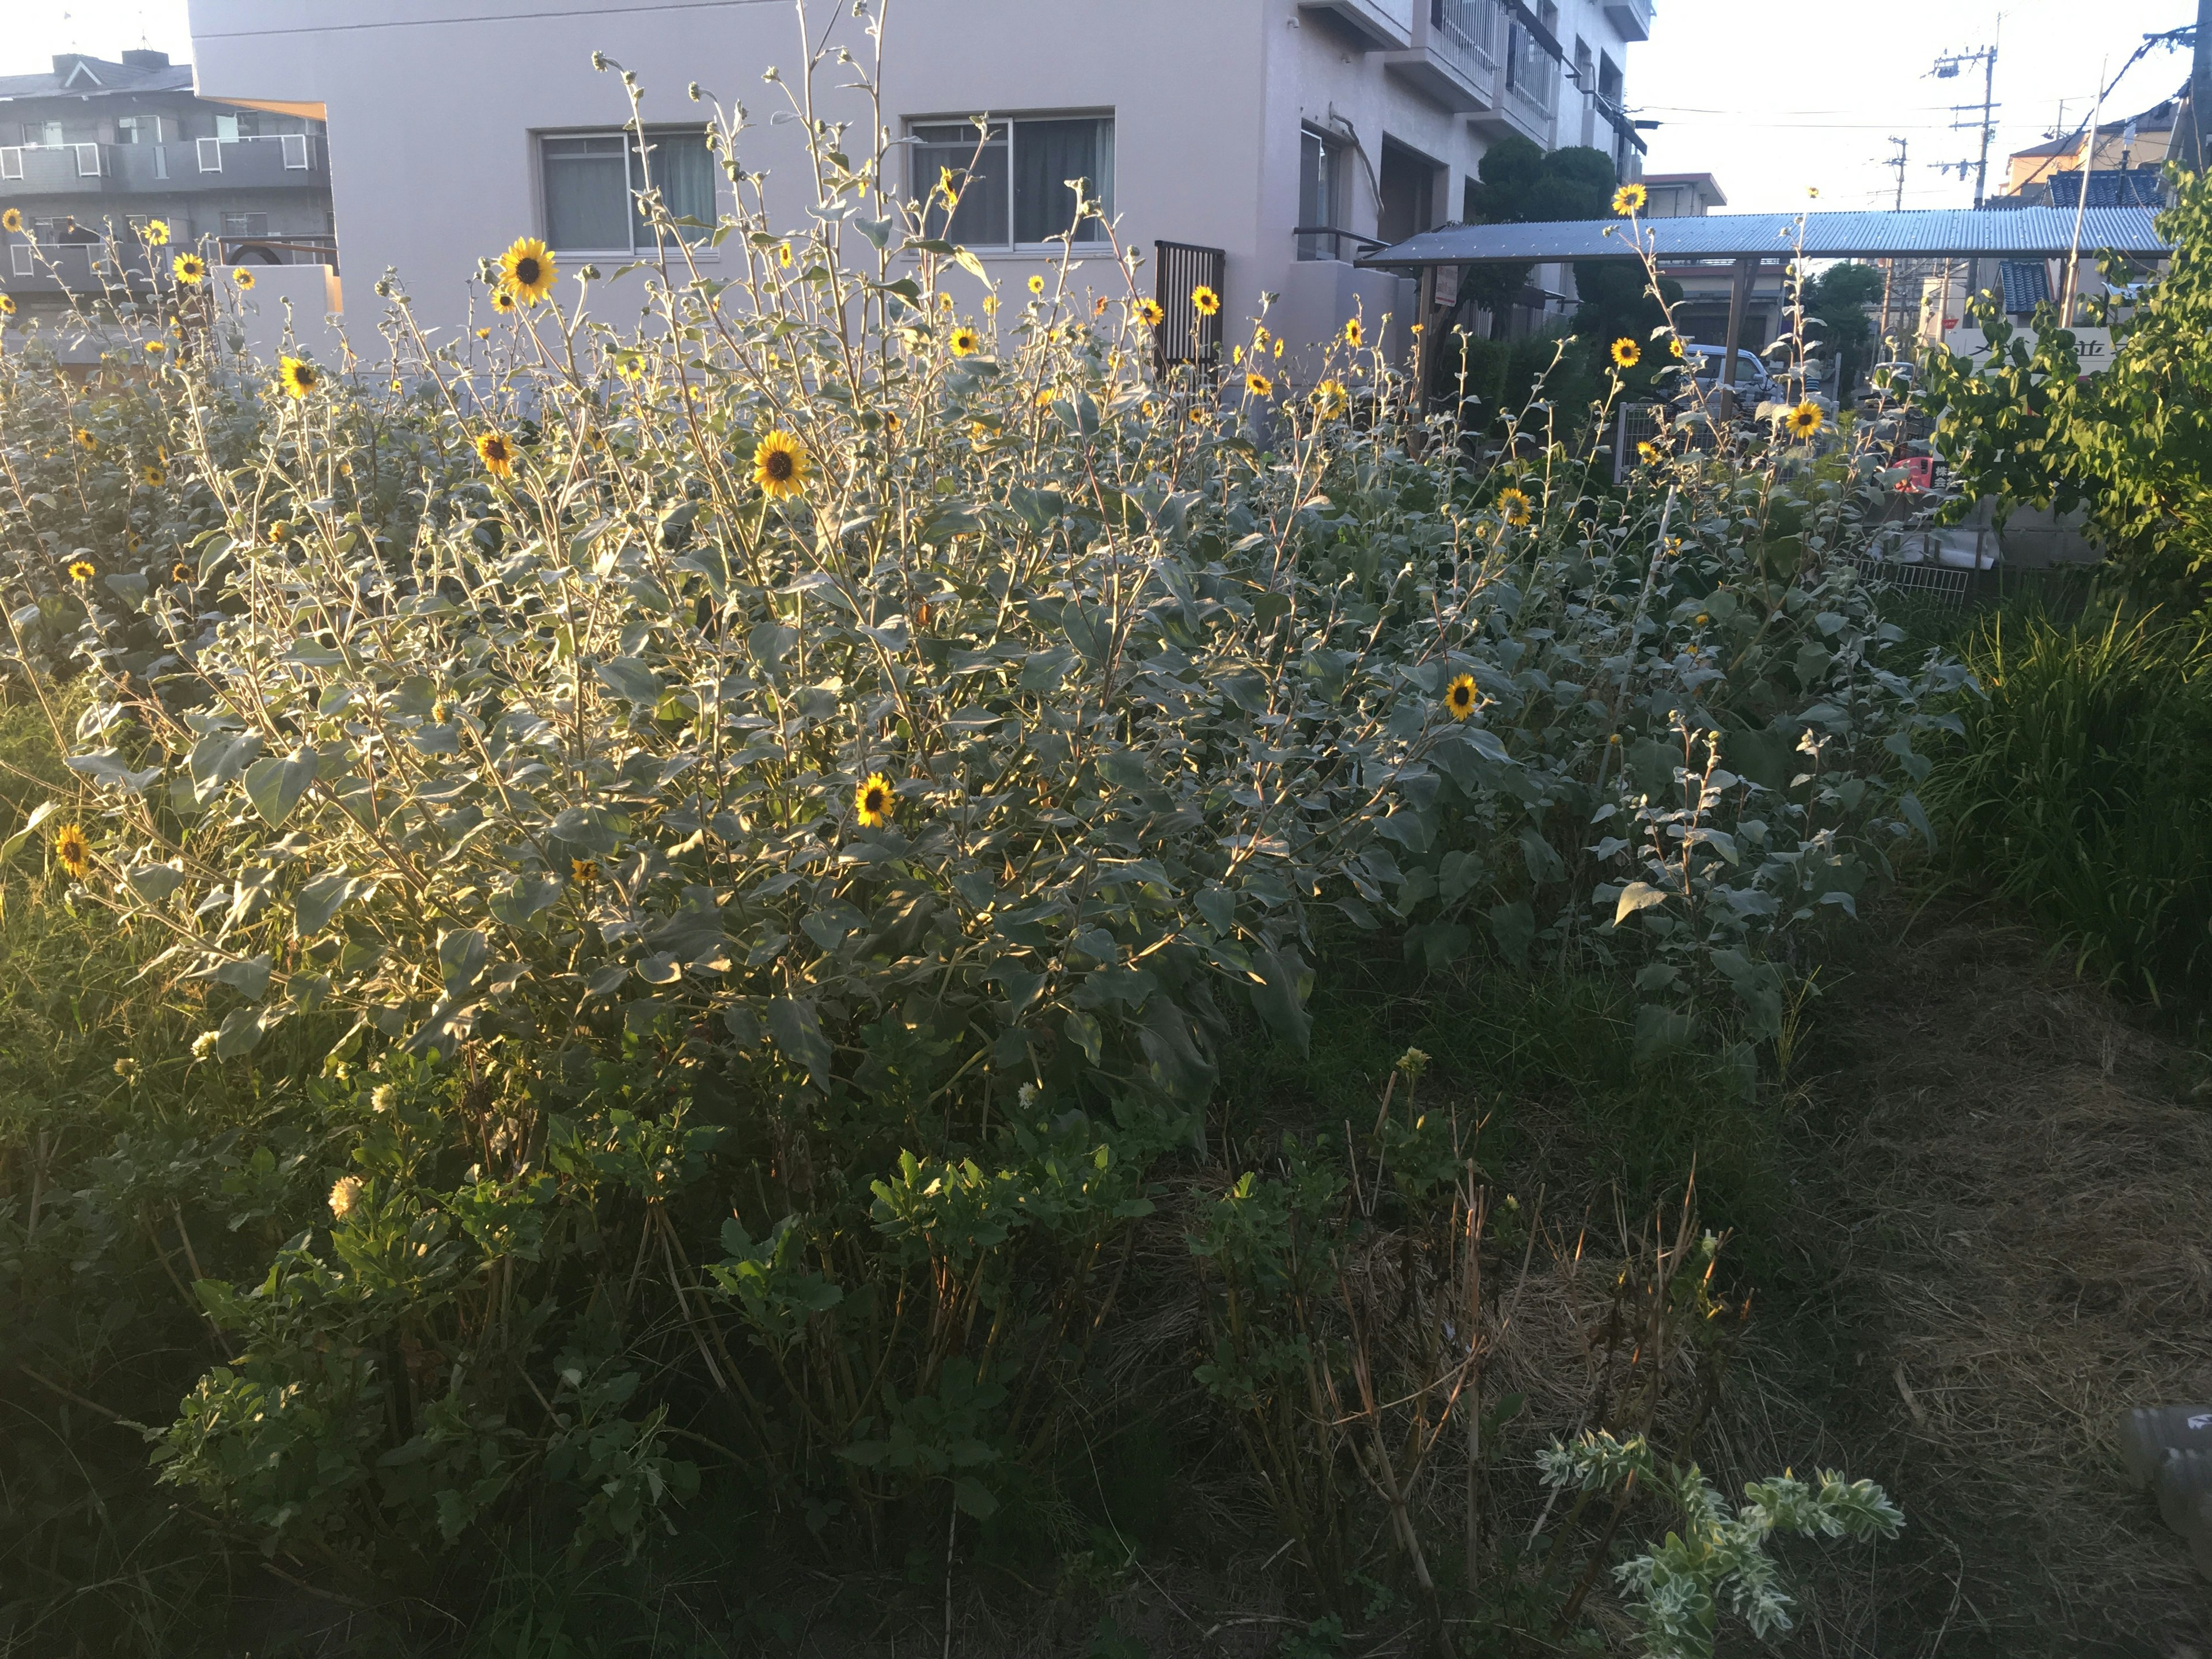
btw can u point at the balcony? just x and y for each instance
(290, 162)
(35, 170)
(1632, 17)
(81, 268)
(1456, 54)
(1530, 94)
(1384, 25)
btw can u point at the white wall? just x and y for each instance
(431, 117)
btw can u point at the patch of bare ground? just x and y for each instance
(2000, 1240)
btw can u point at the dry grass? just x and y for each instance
(2003, 1230)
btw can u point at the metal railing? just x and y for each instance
(1185, 334)
(1532, 74)
(1327, 242)
(295, 247)
(1468, 31)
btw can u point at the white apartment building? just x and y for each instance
(1269, 140)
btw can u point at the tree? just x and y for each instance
(1836, 316)
(1520, 184)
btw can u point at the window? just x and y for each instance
(591, 182)
(226, 128)
(211, 154)
(244, 224)
(1014, 178)
(295, 147)
(42, 132)
(138, 130)
(1320, 195)
(88, 160)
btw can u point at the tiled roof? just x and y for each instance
(97, 76)
(2136, 187)
(1924, 233)
(2026, 284)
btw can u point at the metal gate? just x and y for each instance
(1179, 271)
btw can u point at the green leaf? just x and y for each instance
(973, 1497)
(797, 1029)
(275, 785)
(1636, 896)
(318, 900)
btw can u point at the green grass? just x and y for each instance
(2080, 790)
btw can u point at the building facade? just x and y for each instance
(1266, 143)
(97, 148)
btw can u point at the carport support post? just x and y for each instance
(1424, 343)
(1739, 301)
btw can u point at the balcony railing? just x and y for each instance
(1327, 242)
(279, 248)
(1532, 79)
(1468, 31)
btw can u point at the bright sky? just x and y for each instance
(1770, 96)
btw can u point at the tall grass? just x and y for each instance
(2079, 790)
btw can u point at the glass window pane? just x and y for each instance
(587, 193)
(978, 173)
(1047, 154)
(682, 168)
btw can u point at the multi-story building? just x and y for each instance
(1258, 145)
(95, 149)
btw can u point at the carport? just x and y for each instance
(1750, 238)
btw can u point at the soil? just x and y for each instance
(2001, 1233)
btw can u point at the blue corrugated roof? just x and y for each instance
(1960, 233)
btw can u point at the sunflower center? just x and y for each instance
(526, 270)
(779, 464)
(876, 800)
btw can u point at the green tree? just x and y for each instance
(1520, 184)
(1836, 317)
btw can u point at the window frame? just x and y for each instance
(1333, 151)
(918, 189)
(700, 248)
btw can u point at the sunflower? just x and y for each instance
(1513, 507)
(7, 305)
(181, 572)
(990, 305)
(156, 233)
(1628, 199)
(483, 334)
(1259, 385)
(1331, 399)
(966, 342)
(496, 452)
(1804, 420)
(155, 348)
(1627, 353)
(1150, 314)
(297, 376)
(1354, 335)
(503, 300)
(279, 532)
(242, 276)
(345, 1192)
(188, 268)
(1703, 617)
(85, 440)
(81, 571)
(874, 801)
(1205, 302)
(1098, 306)
(583, 871)
(1459, 696)
(72, 850)
(12, 222)
(528, 270)
(780, 466)
(1647, 452)
(1037, 285)
(1674, 347)
(154, 476)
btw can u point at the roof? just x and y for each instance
(2026, 284)
(1706, 184)
(2136, 187)
(76, 74)
(1938, 232)
(2159, 118)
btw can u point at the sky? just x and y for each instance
(1772, 97)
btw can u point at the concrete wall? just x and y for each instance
(432, 116)
(307, 299)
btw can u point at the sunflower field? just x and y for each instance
(641, 926)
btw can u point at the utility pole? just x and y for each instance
(1947, 69)
(2200, 84)
(1889, 266)
(1896, 164)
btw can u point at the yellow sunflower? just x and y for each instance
(7, 305)
(279, 531)
(1037, 285)
(156, 233)
(1205, 300)
(1674, 347)
(1627, 353)
(297, 376)
(1646, 451)
(496, 453)
(180, 572)
(780, 466)
(874, 802)
(1354, 335)
(783, 255)
(12, 222)
(1628, 199)
(84, 438)
(1459, 696)
(966, 342)
(155, 348)
(1804, 420)
(1098, 306)
(503, 300)
(241, 276)
(153, 475)
(1259, 385)
(1513, 507)
(72, 850)
(583, 871)
(81, 571)
(1331, 397)
(526, 269)
(188, 268)
(1150, 314)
